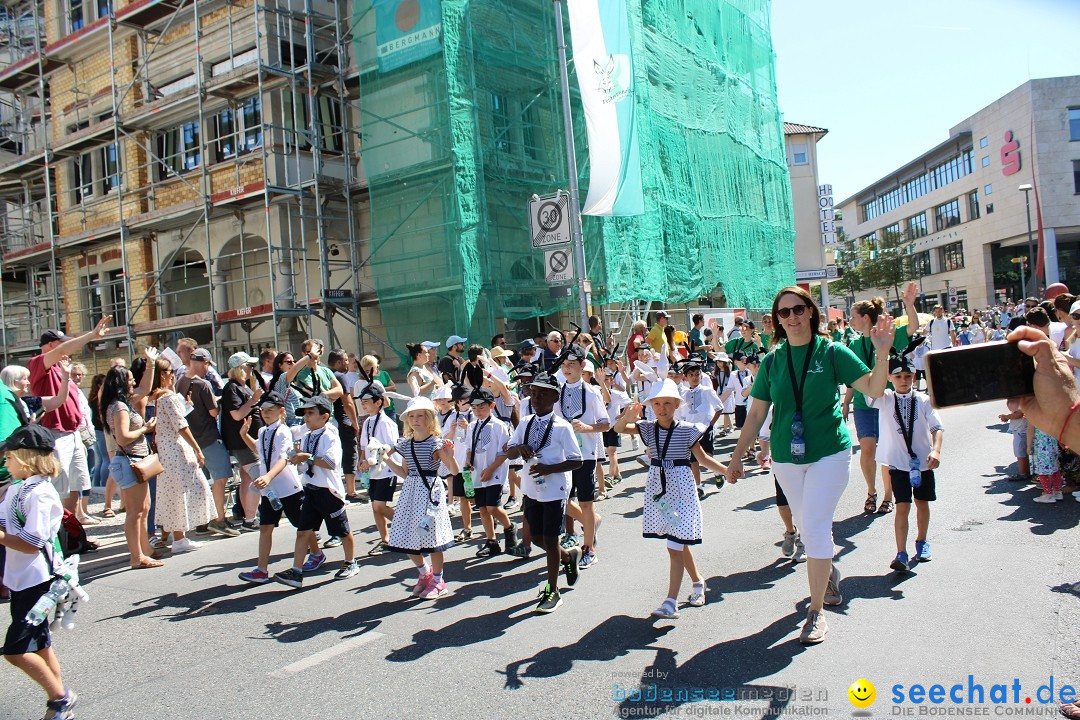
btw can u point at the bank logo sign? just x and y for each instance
(406, 31)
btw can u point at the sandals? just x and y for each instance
(108, 513)
(463, 536)
(871, 504)
(886, 507)
(380, 547)
(145, 564)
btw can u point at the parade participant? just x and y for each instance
(864, 316)
(277, 483)
(347, 419)
(941, 331)
(582, 405)
(454, 426)
(811, 455)
(672, 511)
(239, 400)
(617, 382)
(30, 516)
(307, 378)
(523, 373)
(721, 375)
(421, 521)
(738, 388)
(377, 426)
(911, 436)
(700, 406)
(546, 442)
(486, 439)
(747, 342)
(318, 463)
(599, 380)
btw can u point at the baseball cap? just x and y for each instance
(272, 399)
(29, 437)
(662, 314)
(481, 396)
(527, 345)
(588, 367)
(373, 390)
(576, 352)
(202, 354)
(1075, 307)
(456, 340)
(318, 402)
(52, 335)
(238, 359)
(430, 344)
(546, 381)
(749, 324)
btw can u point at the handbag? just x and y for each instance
(87, 435)
(146, 467)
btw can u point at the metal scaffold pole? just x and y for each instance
(581, 275)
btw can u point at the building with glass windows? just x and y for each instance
(960, 210)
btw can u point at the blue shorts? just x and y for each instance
(218, 461)
(866, 423)
(121, 473)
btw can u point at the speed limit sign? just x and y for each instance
(549, 220)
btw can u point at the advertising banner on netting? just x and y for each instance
(406, 31)
(600, 34)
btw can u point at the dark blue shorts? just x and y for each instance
(866, 423)
(291, 507)
(21, 637)
(382, 489)
(903, 492)
(487, 496)
(321, 505)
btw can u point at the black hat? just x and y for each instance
(272, 399)
(373, 390)
(459, 393)
(691, 364)
(545, 381)
(322, 404)
(481, 396)
(51, 336)
(900, 364)
(662, 314)
(526, 370)
(29, 437)
(749, 324)
(753, 359)
(576, 352)
(739, 356)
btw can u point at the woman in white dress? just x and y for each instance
(422, 381)
(184, 499)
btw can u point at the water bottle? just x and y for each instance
(467, 481)
(275, 501)
(365, 480)
(671, 515)
(580, 444)
(47, 602)
(914, 474)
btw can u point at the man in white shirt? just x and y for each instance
(941, 330)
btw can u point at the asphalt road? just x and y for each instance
(191, 640)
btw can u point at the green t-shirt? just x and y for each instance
(863, 347)
(740, 344)
(384, 380)
(837, 336)
(766, 338)
(825, 431)
(849, 335)
(9, 422)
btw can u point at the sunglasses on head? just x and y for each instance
(785, 313)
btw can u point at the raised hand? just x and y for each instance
(911, 291)
(881, 335)
(102, 327)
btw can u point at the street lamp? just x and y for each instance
(1026, 189)
(1023, 282)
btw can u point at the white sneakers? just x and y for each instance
(184, 545)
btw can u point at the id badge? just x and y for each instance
(798, 449)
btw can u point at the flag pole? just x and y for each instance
(581, 276)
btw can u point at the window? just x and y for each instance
(973, 205)
(75, 15)
(299, 129)
(532, 131)
(985, 162)
(798, 154)
(947, 215)
(983, 141)
(500, 124)
(239, 130)
(83, 177)
(891, 234)
(104, 295)
(920, 263)
(936, 177)
(1076, 176)
(988, 190)
(178, 150)
(961, 299)
(952, 256)
(104, 7)
(110, 165)
(1074, 123)
(916, 226)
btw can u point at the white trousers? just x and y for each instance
(813, 491)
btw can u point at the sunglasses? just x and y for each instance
(1075, 316)
(785, 313)
(288, 362)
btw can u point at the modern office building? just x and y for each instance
(961, 209)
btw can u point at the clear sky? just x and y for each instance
(888, 78)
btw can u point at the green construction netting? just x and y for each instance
(458, 135)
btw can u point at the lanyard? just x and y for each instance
(476, 433)
(908, 431)
(423, 475)
(374, 426)
(313, 445)
(662, 452)
(797, 386)
(543, 437)
(562, 396)
(268, 447)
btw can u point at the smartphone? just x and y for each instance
(978, 373)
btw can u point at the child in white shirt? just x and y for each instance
(377, 427)
(485, 441)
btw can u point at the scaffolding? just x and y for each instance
(190, 167)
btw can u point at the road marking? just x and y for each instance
(328, 654)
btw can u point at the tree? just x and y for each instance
(890, 264)
(849, 260)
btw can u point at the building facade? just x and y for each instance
(960, 211)
(812, 205)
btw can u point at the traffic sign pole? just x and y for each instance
(581, 274)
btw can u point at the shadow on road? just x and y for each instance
(1044, 519)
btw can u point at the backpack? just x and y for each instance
(72, 536)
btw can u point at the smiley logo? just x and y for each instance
(862, 693)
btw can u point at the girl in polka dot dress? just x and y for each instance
(672, 511)
(421, 518)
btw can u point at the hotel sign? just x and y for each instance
(826, 215)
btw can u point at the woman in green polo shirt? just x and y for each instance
(810, 442)
(864, 315)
